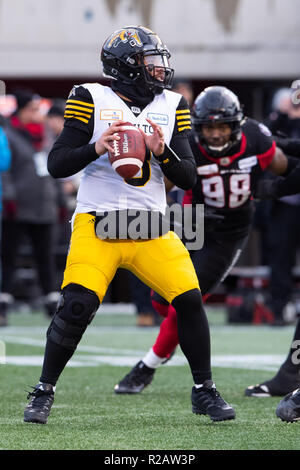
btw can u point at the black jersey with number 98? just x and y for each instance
(226, 184)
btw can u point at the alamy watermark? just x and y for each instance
(2, 88)
(295, 92)
(296, 354)
(186, 221)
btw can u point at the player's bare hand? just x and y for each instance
(103, 144)
(155, 142)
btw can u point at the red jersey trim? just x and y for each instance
(266, 158)
(188, 197)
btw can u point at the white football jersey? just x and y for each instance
(101, 188)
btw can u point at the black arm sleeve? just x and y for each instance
(177, 161)
(70, 153)
(290, 184)
(290, 146)
(180, 171)
(284, 185)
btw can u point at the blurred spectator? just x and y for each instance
(185, 88)
(31, 198)
(262, 217)
(284, 224)
(281, 118)
(54, 124)
(4, 165)
(141, 296)
(55, 118)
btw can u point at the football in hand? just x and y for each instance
(129, 152)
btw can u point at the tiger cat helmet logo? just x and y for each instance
(125, 35)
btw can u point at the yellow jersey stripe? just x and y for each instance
(183, 128)
(81, 108)
(77, 117)
(184, 122)
(184, 116)
(77, 113)
(81, 102)
(183, 111)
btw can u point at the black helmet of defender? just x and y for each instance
(217, 104)
(132, 56)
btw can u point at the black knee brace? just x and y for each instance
(76, 309)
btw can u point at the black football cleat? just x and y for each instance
(208, 401)
(289, 407)
(38, 409)
(137, 379)
(280, 385)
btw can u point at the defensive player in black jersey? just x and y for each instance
(231, 153)
(138, 63)
(287, 377)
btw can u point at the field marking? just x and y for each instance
(83, 348)
(96, 356)
(254, 362)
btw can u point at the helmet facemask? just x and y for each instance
(156, 71)
(218, 151)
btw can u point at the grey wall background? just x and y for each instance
(207, 38)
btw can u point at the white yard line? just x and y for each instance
(257, 362)
(128, 357)
(89, 349)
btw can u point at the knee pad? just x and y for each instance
(76, 309)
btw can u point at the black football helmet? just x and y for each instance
(218, 104)
(124, 58)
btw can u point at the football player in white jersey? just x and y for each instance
(137, 62)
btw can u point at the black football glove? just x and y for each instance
(288, 145)
(267, 189)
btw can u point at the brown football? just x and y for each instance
(129, 152)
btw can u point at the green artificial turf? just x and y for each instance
(88, 415)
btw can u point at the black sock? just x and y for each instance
(55, 360)
(193, 333)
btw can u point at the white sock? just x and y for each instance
(152, 360)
